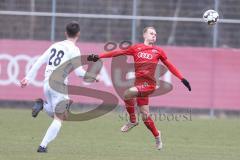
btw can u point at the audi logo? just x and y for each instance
(13, 69)
(145, 55)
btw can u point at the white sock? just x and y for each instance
(51, 133)
(48, 109)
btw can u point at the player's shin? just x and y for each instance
(129, 103)
(51, 133)
(150, 124)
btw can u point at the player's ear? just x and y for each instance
(66, 35)
(144, 35)
(78, 34)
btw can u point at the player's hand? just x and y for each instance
(187, 84)
(89, 77)
(93, 57)
(97, 79)
(24, 82)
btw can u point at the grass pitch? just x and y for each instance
(101, 139)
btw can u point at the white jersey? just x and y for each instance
(55, 56)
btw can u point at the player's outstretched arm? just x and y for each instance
(175, 71)
(94, 57)
(35, 67)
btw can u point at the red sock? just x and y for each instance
(130, 109)
(151, 126)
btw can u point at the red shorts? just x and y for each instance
(144, 90)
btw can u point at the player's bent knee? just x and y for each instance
(126, 95)
(130, 93)
(133, 90)
(144, 114)
(62, 116)
(142, 101)
(61, 110)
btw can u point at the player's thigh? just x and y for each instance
(60, 102)
(145, 91)
(130, 93)
(142, 101)
(47, 95)
(144, 109)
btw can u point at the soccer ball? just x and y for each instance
(211, 17)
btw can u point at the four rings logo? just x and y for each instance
(144, 55)
(13, 70)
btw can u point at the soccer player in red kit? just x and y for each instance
(146, 56)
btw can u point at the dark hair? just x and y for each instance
(72, 29)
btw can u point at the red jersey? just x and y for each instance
(145, 61)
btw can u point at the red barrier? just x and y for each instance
(213, 74)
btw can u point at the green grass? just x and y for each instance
(100, 139)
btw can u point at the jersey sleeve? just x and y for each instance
(79, 71)
(128, 51)
(162, 55)
(173, 69)
(169, 65)
(35, 67)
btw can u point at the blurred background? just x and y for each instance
(208, 56)
(178, 22)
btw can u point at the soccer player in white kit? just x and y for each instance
(53, 57)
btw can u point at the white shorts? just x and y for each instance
(56, 102)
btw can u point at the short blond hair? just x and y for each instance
(146, 29)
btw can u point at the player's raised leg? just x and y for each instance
(40, 105)
(129, 96)
(37, 107)
(46, 105)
